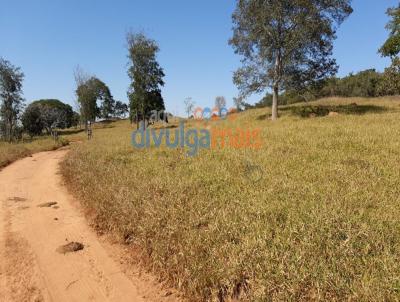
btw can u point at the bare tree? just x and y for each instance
(80, 77)
(239, 103)
(189, 106)
(220, 102)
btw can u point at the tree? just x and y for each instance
(239, 103)
(89, 91)
(189, 106)
(46, 115)
(107, 107)
(285, 44)
(220, 102)
(87, 99)
(391, 47)
(76, 118)
(146, 76)
(11, 99)
(390, 84)
(121, 109)
(80, 77)
(153, 102)
(32, 121)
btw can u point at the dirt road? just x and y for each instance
(31, 265)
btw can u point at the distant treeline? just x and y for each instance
(367, 83)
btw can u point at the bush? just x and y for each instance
(367, 83)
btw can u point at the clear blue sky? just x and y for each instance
(48, 38)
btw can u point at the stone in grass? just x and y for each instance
(333, 113)
(70, 248)
(47, 204)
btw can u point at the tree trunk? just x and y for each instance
(277, 79)
(275, 97)
(10, 129)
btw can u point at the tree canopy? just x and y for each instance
(46, 115)
(391, 47)
(91, 90)
(285, 43)
(121, 109)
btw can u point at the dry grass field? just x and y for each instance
(313, 215)
(12, 152)
(17, 150)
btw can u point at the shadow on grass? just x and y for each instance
(71, 131)
(103, 126)
(263, 117)
(110, 121)
(170, 127)
(162, 126)
(324, 110)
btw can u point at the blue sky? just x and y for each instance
(48, 38)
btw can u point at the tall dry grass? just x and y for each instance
(322, 224)
(10, 152)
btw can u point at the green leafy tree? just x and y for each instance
(11, 99)
(121, 109)
(285, 44)
(86, 96)
(46, 115)
(89, 91)
(146, 77)
(107, 107)
(153, 102)
(87, 99)
(390, 84)
(391, 48)
(76, 119)
(32, 121)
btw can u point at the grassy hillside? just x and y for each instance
(313, 215)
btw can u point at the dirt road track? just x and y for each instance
(30, 267)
